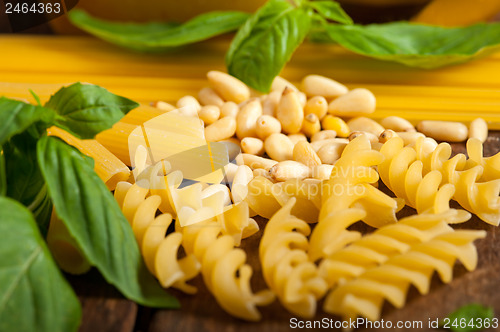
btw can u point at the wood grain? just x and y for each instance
(105, 310)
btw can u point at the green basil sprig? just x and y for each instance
(265, 43)
(85, 109)
(38, 171)
(156, 37)
(94, 219)
(268, 38)
(25, 181)
(418, 45)
(34, 296)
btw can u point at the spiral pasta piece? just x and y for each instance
(491, 165)
(159, 251)
(224, 270)
(377, 247)
(285, 264)
(348, 197)
(209, 248)
(480, 198)
(266, 198)
(364, 296)
(404, 175)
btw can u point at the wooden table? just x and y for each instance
(104, 309)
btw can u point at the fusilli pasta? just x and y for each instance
(404, 175)
(364, 296)
(285, 264)
(348, 197)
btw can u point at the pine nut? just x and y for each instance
(372, 138)
(289, 169)
(164, 106)
(302, 98)
(239, 186)
(289, 112)
(355, 103)
(316, 105)
(397, 123)
(319, 144)
(207, 96)
(188, 101)
(324, 134)
(365, 124)
(321, 172)
(254, 161)
(267, 125)
(228, 87)
(252, 145)
(409, 137)
(305, 154)
(316, 85)
(279, 147)
(311, 125)
(220, 129)
(478, 129)
(209, 114)
(444, 130)
(331, 122)
(279, 84)
(330, 153)
(246, 119)
(387, 135)
(229, 109)
(270, 103)
(295, 138)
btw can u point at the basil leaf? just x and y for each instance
(331, 10)
(418, 45)
(265, 43)
(26, 183)
(88, 109)
(93, 217)
(159, 36)
(3, 178)
(34, 296)
(35, 96)
(16, 116)
(471, 313)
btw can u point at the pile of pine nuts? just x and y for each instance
(292, 133)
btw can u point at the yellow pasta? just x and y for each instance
(348, 197)
(110, 169)
(491, 165)
(377, 247)
(403, 174)
(365, 295)
(265, 198)
(285, 264)
(480, 198)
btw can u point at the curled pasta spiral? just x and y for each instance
(223, 267)
(491, 165)
(285, 264)
(265, 198)
(377, 247)
(404, 175)
(480, 198)
(364, 296)
(348, 197)
(159, 251)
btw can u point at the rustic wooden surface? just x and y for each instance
(104, 309)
